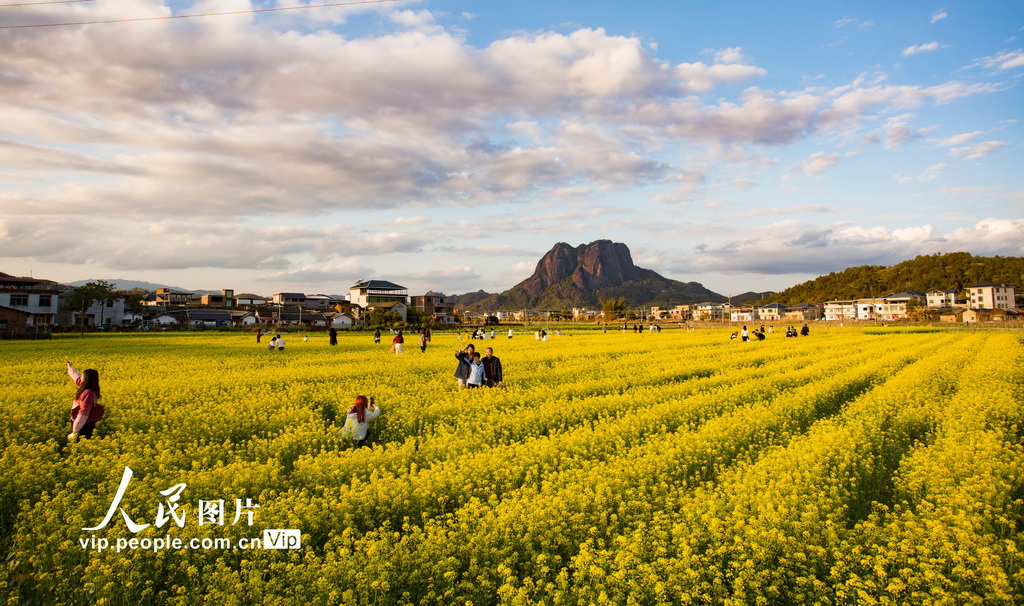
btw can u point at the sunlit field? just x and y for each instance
(852, 466)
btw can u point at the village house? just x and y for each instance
(162, 318)
(942, 299)
(226, 298)
(249, 301)
(131, 318)
(339, 320)
(289, 298)
(398, 307)
(14, 323)
(682, 313)
(992, 296)
(840, 311)
(894, 306)
(38, 298)
(290, 315)
(710, 311)
(205, 318)
(678, 313)
(954, 314)
(583, 313)
(771, 312)
(867, 308)
(365, 292)
(106, 314)
(982, 316)
(321, 301)
(804, 312)
(435, 305)
(744, 314)
(166, 297)
(242, 317)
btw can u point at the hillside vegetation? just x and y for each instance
(950, 271)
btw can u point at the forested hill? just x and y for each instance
(950, 271)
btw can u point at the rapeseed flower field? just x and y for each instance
(854, 466)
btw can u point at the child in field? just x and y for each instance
(357, 420)
(476, 372)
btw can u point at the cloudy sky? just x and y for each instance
(446, 144)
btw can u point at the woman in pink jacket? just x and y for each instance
(85, 412)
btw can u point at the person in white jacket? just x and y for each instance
(476, 372)
(357, 421)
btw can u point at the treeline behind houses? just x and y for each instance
(949, 271)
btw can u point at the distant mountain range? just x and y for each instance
(122, 284)
(750, 297)
(584, 275)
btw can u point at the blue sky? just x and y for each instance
(447, 145)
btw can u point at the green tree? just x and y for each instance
(917, 310)
(83, 297)
(613, 308)
(134, 299)
(381, 317)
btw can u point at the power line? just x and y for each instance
(48, 2)
(166, 17)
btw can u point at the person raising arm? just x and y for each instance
(85, 411)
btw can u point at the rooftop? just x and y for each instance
(378, 285)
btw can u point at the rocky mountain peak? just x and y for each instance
(568, 276)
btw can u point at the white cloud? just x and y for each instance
(1003, 61)
(897, 131)
(790, 246)
(733, 54)
(972, 152)
(339, 274)
(411, 220)
(850, 21)
(920, 48)
(521, 271)
(792, 210)
(931, 173)
(960, 139)
(939, 15)
(853, 105)
(183, 244)
(817, 163)
(256, 122)
(698, 77)
(449, 273)
(409, 18)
